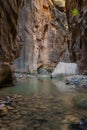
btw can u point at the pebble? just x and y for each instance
(3, 111)
(36, 125)
(10, 108)
(3, 129)
(78, 81)
(31, 112)
(2, 105)
(17, 127)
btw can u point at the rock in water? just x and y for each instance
(3, 111)
(65, 68)
(82, 125)
(17, 127)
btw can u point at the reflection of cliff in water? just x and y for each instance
(52, 99)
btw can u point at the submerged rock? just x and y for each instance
(33, 112)
(18, 127)
(3, 111)
(4, 128)
(81, 125)
(80, 101)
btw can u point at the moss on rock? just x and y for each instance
(80, 101)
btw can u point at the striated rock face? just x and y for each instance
(78, 32)
(44, 22)
(9, 40)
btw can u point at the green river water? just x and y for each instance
(50, 99)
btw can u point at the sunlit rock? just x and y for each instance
(45, 40)
(60, 3)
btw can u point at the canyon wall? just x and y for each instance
(34, 36)
(76, 11)
(43, 29)
(9, 40)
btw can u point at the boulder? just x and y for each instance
(77, 80)
(17, 127)
(65, 68)
(3, 110)
(80, 101)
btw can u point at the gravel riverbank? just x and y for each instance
(77, 80)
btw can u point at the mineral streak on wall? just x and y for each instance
(44, 26)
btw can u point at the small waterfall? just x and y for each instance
(65, 68)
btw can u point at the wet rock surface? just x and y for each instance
(33, 113)
(77, 80)
(27, 76)
(81, 101)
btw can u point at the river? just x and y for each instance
(50, 101)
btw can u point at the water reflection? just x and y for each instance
(61, 86)
(41, 86)
(58, 108)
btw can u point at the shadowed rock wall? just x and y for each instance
(78, 33)
(44, 22)
(9, 39)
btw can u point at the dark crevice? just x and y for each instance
(9, 20)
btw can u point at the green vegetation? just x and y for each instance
(75, 12)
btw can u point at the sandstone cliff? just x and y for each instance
(9, 40)
(78, 33)
(44, 39)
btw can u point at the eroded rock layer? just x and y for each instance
(45, 27)
(9, 40)
(77, 20)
